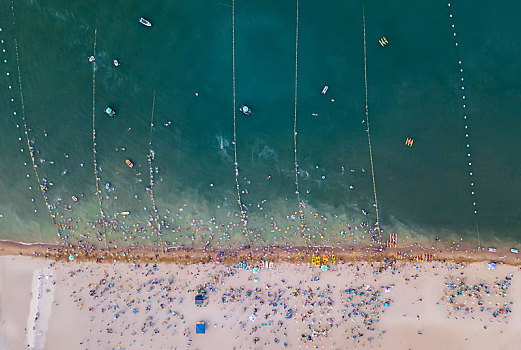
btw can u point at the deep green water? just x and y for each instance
(414, 89)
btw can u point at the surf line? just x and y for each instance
(26, 129)
(377, 223)
(242, 207)
(465, 119)
(151, 157)
(300, 208)
(94, 157)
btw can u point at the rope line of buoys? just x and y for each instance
(41, 186)
(297, 189)
(465, 119)
(94, 158)
(243, 211)
(377, 223)
(151, 173)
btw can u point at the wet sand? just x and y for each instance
(287, 253)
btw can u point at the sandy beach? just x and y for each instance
(389, 304)
(26, 295)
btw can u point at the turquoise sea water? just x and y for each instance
(185, 61)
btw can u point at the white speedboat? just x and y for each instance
(145, 22)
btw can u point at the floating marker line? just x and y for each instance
(26, 129)
(94, 158)
(297, 189)
(465, 119)
(150, 158)
(377, 223)
(236, 164)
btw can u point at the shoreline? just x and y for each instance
(253, 255)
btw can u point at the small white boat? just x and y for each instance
(514, 250)
(324, 90)
(245, 110)
(110, 111)
(145, 22)
(493, 250)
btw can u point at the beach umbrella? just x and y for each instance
(324, 267)
(255, 270)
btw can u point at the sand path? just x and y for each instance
(42, 293)
(16, 291)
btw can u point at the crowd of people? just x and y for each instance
(465, 299)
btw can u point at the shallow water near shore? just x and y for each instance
(181, 67)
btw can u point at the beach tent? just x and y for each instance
(199, 299)
(200, 328)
